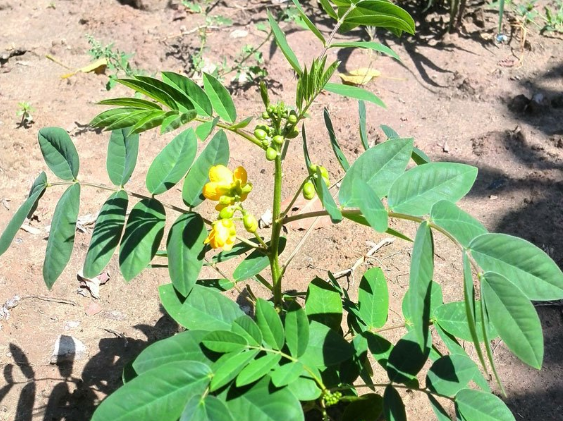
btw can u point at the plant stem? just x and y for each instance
(276, 229)
(397, 386)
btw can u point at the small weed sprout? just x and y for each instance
(24, 111)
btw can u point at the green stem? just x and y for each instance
(241, 132)
(396, 386)
(276, 230)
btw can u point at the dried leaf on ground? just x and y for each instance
(359, 76)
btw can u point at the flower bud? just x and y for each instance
(265, 115)
(260, 134)
(250, 223)
(292, 134)
(278, 139)
(271, 154)
(226, 213)
(308, 190)
(292, 119)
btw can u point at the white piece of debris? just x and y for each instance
(238, 33)
(266, 219)
(30, 229)
(67, 349)
(8, 305)
(91, 285)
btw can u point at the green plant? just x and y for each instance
(553, 19)
(294, 357)
(117, 61)
(24, 111)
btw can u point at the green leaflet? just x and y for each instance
(371, 207)
(379, 167)
(142, 236)
(174, 120)
(226, 368)
(37, 190)
(462, 226)
(186, 251)
(61, 235)
(470, 310)
(407, 358)
(379, 13)
(150, 87)
(207, 309)
(308, 22)
(326, 347)
(257, 368)
(255, 263)
(452, 317)
(185, 346)
(220, 98)
(247, 328)
(480, 406)
(514, 318)
(130, 119)
(323, 304)
(149, 121)
(192, 90)
(296, 330)
(439, 411)
(204, 129)
(142, 104)
(224, 341)
(522, 263)
(172, 163)
(370, 45)
(449, 374)
(59, 152)
(281, 41)
(262, 402)
(123, 149)
(420, 282)
(284, 375)
(417, 190)
(158, 394)
(107, 233)
(208, 408)
(393, 406)
(216, 152)
(354, 92)
(334, 142)
(270, 324)
(373, 298)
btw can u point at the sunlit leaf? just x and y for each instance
(59, 152)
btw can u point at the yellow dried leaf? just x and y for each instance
(359, 76)
(98, 66)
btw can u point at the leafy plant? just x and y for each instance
(24, 111)
(117, 61)
(300, 353)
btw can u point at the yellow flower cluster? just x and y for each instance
(229, 189)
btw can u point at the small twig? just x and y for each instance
(191, 31)
(363, 259)
(51, 299)
(118, 334)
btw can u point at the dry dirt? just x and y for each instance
(459, 96)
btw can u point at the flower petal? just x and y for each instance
(240, 174)
(221, 174)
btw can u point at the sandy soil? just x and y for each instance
(459, 96)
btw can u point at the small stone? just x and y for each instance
(93, 309)
(67, 349)
(239, 33)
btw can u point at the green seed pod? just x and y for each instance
(265, 115)
(313, 168)
(271, 154)
(278, 139)
(292, 119)
(260, 134)
(308, 190)
(271, 110)
(250, 223)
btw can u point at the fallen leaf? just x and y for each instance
(359, 76)
(91, 284)
(93, 309)
(98, 67)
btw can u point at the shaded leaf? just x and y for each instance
(296, 330)
(257, 368)
(228, 366)
(354, 92)
(208, 408)
(281, 41)
(107, 233)
(255, 263)
(326, 347)
(224, 341)
(462, 226)
(373, 298)
(323, 303)
(270, 324)
(393, 406)
(334, 142)
(367, 407)
(371, 207)
(61, 235)
(480, 406)
(326, 198)
(142, 236)
(449, 374)
(199, 98)
(370, 45)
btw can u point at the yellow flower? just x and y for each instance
(226, 187)
(222, 235)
